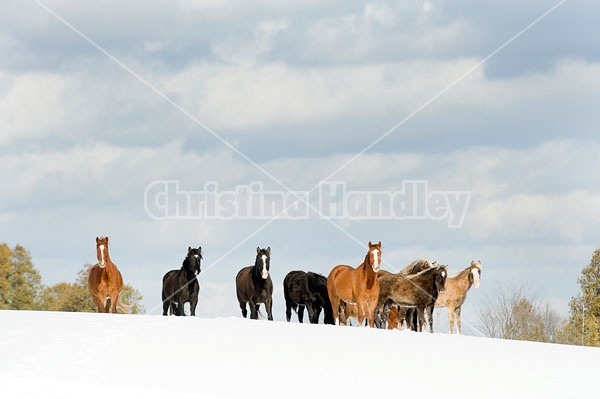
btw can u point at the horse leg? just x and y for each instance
(243, 307)
(430, 317)
(458, 323)
(301, 313)
(253, 310)
(451, 320)
(370, 309)
(98, 303)
(360, 308)
(107, 305)
(180, 308)
(335, 308)
(193, 304)
(288, 310)
(316, 315)
(269, 307)
(379, 313)
(414, 319)
(115, 302)
(421, 314)
(165, 306)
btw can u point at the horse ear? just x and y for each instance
(370, 245)
(379, 245)
(97, 240)
(189, 249)
(269, 250)
(257, 250)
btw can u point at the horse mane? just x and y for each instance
(319, 275)
(466, 271)
(414, 264)
(371, 277)
(423, 272)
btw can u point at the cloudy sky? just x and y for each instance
(98, 102)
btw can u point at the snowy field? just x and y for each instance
(80, 355)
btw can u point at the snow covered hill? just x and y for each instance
(80, 355)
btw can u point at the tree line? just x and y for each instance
(512, 313)
(21, 287)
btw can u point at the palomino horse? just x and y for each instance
(254, 285)
(104, 280)
(358, 286)
(456, 292)
(181, 286)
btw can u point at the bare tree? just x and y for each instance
(510, 313)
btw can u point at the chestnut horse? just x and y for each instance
(104, 280)
(358, 286)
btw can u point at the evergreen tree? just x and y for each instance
(20, 281)
(583, 324)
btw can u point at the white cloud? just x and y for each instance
(248, 51)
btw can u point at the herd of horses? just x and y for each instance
(367, 293)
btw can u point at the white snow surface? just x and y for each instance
(84, 355)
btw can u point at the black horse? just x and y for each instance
(307, 290)
(254, 285)
(181, 286)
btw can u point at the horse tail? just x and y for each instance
(124, 308)
(288, 299)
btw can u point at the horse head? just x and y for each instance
(102, 250)
(263, 261)
(440, 277)
(475, 273)
(374, 256)
(193, 260)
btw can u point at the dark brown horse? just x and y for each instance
(254, 285)
(104, 280)
(358, 286)
(181, 286)
(418, 290)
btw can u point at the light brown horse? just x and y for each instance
(456, 292)
(358, 286)
(104, 280)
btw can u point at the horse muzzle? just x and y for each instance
(102, 264)
(265, 275)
